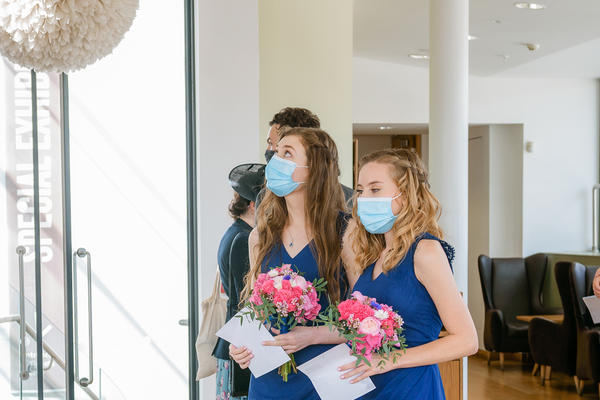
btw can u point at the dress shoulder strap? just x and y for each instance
(448, 249)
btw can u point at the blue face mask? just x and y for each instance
(376, 213)
(279, 176)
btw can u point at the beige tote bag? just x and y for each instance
(214, 312)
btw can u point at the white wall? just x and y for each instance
(228, 120)
(506, 190)
(479, 221)
(559, 115)
(306, 61)
(495, 203)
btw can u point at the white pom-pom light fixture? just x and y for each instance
(62, 35)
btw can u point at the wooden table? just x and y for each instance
(451, 372)
(558, 318)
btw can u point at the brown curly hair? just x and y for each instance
(323, 205)
(420, 212)
(296, 117)
(238, 206)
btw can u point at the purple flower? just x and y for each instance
(375, 305)
(287, 278)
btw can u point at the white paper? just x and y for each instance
(251, 334)
(325, 377)
(593, 304)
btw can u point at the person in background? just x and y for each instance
(246, 181)
(294, 117)
(597, 283)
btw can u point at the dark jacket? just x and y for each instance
(233, 257)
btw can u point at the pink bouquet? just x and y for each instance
(284, 298)
(370, 327)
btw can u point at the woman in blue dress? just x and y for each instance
(396, 245)
(299, 222)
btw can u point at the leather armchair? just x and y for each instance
(544, 335)
(511, 287)
(588, 335)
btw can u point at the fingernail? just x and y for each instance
(339, 368)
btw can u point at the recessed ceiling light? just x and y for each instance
(530, 6)
(385, 128)
(471, 37)
(531, 46)
(419, 56)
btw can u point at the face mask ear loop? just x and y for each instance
(394, 198)
(301, 166)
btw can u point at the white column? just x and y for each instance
(448, 128)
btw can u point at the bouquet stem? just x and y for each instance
(288, 368)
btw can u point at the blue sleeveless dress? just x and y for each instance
(298, 386)
(400, 289)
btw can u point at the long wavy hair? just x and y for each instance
(323, 203)
(420, 211)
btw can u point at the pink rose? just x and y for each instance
(359, 296)
(369, 326)
(268, 287)
(299, 282)
(373, 341)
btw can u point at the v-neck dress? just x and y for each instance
(298, 386)
(400, 289)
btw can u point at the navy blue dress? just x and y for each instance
(298, 386)
(400, 289)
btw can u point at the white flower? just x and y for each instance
(62, 35)
(277, 282)
(273, 273)
(380, 314)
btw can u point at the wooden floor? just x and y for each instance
(516, 382)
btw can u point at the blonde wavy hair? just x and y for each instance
(324, 202)
(420, 211)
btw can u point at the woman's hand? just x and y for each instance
(363, 370)
(597, 283)
(296, 339)
(241, 355)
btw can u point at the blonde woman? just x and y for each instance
(403, 262)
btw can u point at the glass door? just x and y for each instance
(128, 255)
(31, 301)
(128, 202)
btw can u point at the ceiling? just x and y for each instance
(390, 30)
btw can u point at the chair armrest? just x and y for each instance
(543, 336)
(495, 329)
(588, 354)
